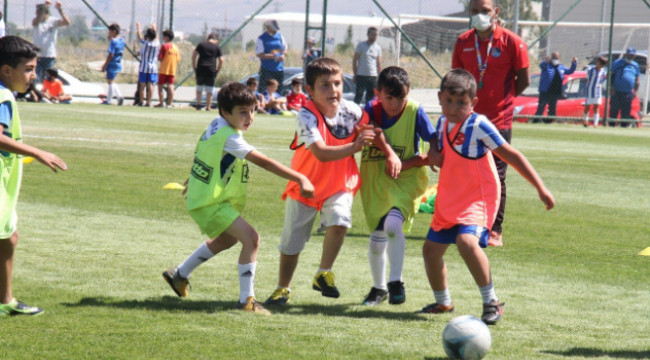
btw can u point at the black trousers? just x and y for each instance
(550, 98)
(365, 84)
(502, 167)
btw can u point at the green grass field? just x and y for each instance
(95, 240)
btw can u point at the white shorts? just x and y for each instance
(299, 220)
(594, 101)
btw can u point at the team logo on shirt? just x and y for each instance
(496, 52)
(244, 173)
(373, 153)
(201, 171)
(460, 139)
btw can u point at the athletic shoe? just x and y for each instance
(436, 308)
(281, 296)
(324, 282)
(170, 106)
(159, 106)
(251, 305)
(321, 228)
(105, 103)
(492, 312)
(16, 307)
(396, 293)
(375, 296)
(495, 239)
(177, 283)
(120, 101)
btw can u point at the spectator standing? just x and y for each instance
(45, 33)
(210, 61)
(2, 25)
(498, 59)
(148, 72)
(169, 57)
(366, 66)
(271, 48)
(550, 84)
(113, 64)
(625, 83)
(595, 78)
(311, 52)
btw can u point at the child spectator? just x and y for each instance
(468, 193)
(251, 84)
(311, 52)
(113, 64)
(595, 77)
(169, 57)
(207, 61)
(329, 132)
(53, 88)
(216, 193)
(274, 103)
(296, 99)
(17, 71)
(391, 202)
(148, 62)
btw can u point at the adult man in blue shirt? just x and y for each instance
(550, 84)
(625, 83)
(271, 48)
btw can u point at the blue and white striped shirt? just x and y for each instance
(594, 80)
(149, 56)
(475, 138)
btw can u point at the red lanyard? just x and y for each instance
(482, 65)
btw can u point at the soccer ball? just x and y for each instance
(467, 338)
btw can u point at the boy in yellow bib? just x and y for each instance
(389, 201)
(216, 192)
(17, 71)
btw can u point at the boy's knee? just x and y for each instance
(378, 243)
(466, 242)
(252, 239)
(336, 230)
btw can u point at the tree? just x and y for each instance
(347, 43)
(77, 31)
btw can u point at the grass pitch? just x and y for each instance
(95, 240)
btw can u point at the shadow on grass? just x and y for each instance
(595, 353)
(171, 303)
(436, 358)
(366, 236)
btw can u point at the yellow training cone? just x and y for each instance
(28, 160)
(173, 186)
(645, 252)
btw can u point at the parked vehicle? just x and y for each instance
(79, 89)
(641, 58)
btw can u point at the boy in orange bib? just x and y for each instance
(468, 193)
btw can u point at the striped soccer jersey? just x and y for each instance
(594, 80)
(149, 56)
(476, 137)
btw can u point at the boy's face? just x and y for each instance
(327, 91)
(18, 79)
(392, 105)
(241, 117)
(112, 34)
(271, 88)
(252, 87)
(455, 107)
(296, 88)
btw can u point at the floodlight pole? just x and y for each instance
(324, 26)
(609, 64)
(6, 8)
(171, 15)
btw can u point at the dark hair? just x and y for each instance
(114, 27)
(150, 34)
(394, 81)
(371, 29)
(0, 15)
(459, 82)
(319, 67)
(213, 36)
(168, 34)
(296, 81)
(251, 81)
(14, 49)
(234, 94)
(602, 60)
(53, 72)
(272, 82)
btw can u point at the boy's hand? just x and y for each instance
(306, 188)
(365, 134)
(393, 166)
(435, 159)
(57, 5)
(48, 2)
(547, 198)
(104, 68)
(50, 160)
(575, 59)
(137, 25)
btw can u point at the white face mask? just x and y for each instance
(482, 22)
(629, 61)
(555, 62)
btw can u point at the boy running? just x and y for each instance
(595, 77)
(113, 64)
(391, 203)
(468, 193)
(17, 71)
(216, 193)
(329, 132)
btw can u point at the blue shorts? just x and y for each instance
(148, 78)
(111, 74)
(448, 236)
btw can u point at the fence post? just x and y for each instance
(609, 65)
(324, 30)
(398, 41)
(171, 15)
(515, 23)
(6, 8)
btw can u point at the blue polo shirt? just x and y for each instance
(116, 47)
(624, 75)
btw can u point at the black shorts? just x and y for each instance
(205, 77)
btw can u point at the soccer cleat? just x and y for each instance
(251, 305)
(375, 296)
(280, 296)
(105, 103)
(16, 307)
(324, 282)
(492, 312)
(436, 308)
(177, 283)
(495, 239)
(396, 293)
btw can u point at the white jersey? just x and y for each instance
(595, 79)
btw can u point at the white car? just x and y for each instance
(81, 91)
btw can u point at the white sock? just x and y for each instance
(246, 280)
(596, 118)
(396, 244)
(109, 98)
(585, 117)
(116, 90)
(442, 297)
(198, 257)
(321, 270)
(282, 287)
(377, 258)
(488, 294)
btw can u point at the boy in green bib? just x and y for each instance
(216, 192)
(17, 71)
(391, 202)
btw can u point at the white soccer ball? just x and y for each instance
(467, 338)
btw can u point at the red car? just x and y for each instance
(575, 86)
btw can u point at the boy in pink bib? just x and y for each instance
(468, 192)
